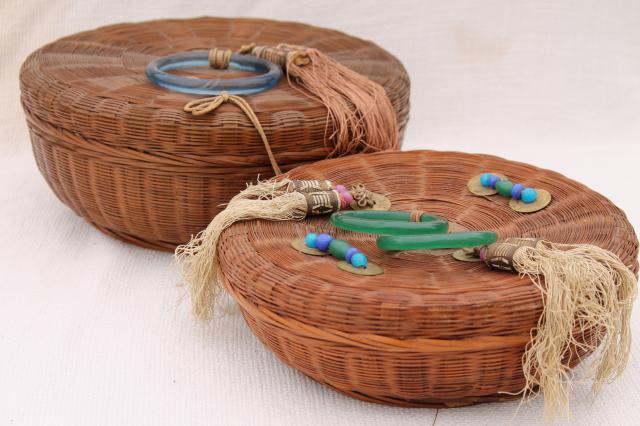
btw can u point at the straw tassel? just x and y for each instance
(271, 188)
(359, 108)
(585, 289)
(285, 199)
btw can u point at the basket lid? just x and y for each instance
(94, 84)
(421, 294)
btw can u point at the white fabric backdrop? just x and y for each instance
(91, 331)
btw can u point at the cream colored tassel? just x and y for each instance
(263, 188)
(584, 289)
(198, 260)
(272, 188)
(284, 199)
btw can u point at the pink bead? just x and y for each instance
(340, 188)
(347, 196)
(343, 202)
(483, 254)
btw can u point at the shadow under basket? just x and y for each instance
(122, 153)
(431, 331)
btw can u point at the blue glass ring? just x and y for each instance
(269, 74)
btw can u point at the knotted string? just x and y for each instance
(360, 115)
(219, 58)
(206, 105)
(416, 215)
(281, 54)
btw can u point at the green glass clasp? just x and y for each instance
(389, 222)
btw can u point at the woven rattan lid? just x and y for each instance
(420, 294)
(94, 84)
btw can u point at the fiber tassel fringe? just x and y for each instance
(262, 189)
(585, 289)
(198, 260)
(363, 117)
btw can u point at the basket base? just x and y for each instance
(428, 403)
(266, 339)
(130, 239)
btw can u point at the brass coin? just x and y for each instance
(437, 252)
(370, 270)
(542, 201)
(468, 254)
(380, 202)
(475, 187)
(301, 246)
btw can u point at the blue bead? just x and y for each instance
(493, 180)
(529, 195)
(359, 260)
(349, 253)
(516, 191)
(484, 179)
(310, 240)
(323, 241)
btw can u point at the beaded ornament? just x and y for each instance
(522, 199)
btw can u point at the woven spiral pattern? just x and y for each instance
(431, 330)
(121, 152)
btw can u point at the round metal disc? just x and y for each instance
(542, 201)
(380, 203)
(371, 269)
(301, 246)
(468, 254)
(475, 187)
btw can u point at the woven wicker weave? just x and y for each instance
(431, 330)
(122, 153)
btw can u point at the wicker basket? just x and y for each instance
(121, 152)
(430, 331)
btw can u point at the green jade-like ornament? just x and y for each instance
(387, 215)
(388, 223)
(339, 248)
(436, 241)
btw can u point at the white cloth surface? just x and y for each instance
(91, 329)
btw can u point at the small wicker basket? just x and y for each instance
(121, 152)
(430, 331)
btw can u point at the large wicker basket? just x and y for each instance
(121, 152)
(430, 331)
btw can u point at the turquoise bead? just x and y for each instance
(485, 179)
(528, 195)
(310, 240)
(359, 260)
